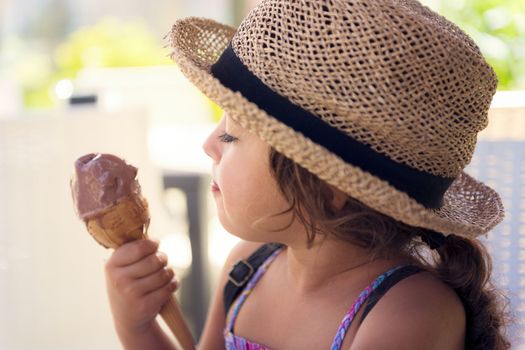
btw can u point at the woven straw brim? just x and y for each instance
(470, 208)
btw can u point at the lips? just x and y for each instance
(214, 186)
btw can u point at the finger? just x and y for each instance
(155, 281)
(146, 266)
(160, 296)
(130, 253)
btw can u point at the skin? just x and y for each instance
(319, 283)
(138, 283)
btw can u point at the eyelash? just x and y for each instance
(225, 137)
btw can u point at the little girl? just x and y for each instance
(339, 163)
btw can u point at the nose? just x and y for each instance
(211, 145)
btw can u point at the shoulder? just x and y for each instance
(242, 250)
(212, 334)
(419, 312)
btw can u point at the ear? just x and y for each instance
(339, 198)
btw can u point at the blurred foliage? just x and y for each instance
(216, 111)
(109, 43)
(498, 27)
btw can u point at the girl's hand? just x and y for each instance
(138, 283)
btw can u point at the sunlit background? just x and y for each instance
(94, 76)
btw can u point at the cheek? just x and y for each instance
(248, 195)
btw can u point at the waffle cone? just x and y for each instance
(174, 319)
(124, 222)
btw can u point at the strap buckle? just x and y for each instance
(240, 273)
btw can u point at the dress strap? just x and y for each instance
(249, 287)
(381, 290)
(243, 270)
(365, 294)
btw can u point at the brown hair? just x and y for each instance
(462, 263)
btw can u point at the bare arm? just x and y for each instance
(420, 312)
(152, 337)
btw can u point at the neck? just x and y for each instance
(323, 264)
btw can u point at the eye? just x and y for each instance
(225, 137)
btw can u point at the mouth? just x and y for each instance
(214, 187)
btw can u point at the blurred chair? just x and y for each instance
(499, 161)
(52, 292)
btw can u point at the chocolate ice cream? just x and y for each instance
(100, 182)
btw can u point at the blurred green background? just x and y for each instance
(109, 43)
(498, 27)
(50, 48)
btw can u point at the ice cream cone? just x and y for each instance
(126, 221)
(107, 197)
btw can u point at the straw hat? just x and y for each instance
(381, 99)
